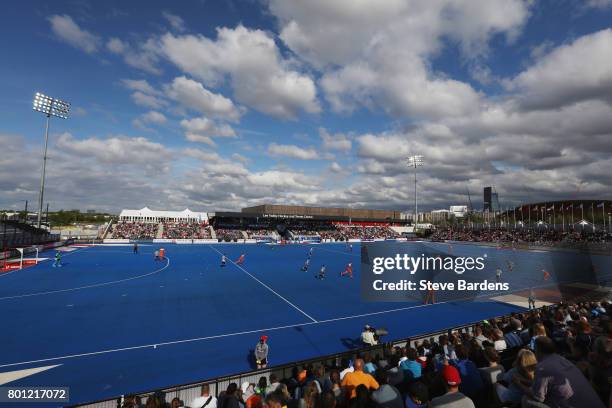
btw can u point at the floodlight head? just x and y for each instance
(415, 161)
(50, 106)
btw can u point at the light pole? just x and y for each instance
(415, 161)
(50, 107)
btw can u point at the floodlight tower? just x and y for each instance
(50, 107)
(415, 161)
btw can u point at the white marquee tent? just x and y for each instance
(147, 215)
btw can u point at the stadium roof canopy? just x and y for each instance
(146, 214)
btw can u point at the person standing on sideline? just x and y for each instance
(261, 352)
(156, 255)
(135, 250)
(431, 296)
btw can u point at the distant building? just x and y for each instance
(91, 211)
(459, 211)
(490, 200)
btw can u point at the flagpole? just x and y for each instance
(563, 217)
(593, 214)
(603, 214)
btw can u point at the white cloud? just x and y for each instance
(194, 96)
(144, 56)
(154, 117)
(337, 141)
(116, 149)
(569, 73)
(149, 101)
(68, 31)
(292, 151)
(335, 167)
(141, 85)
(379, 57)
(151, 117)
(259, 76)
(203, 130)
(176, 22)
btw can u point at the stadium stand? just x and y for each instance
(134, 230)
(549, 357)
(15, 234)
(538, 236)
(183, 230)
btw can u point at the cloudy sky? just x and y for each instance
(216, 104)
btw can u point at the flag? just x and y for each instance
(569, 207)
(600, 205)
(580, 206)
(535, 208)
(552, 208)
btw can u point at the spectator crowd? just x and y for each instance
(557, 356)
(186, 230)
(538, 237)
(134, 230)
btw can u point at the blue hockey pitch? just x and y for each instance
(110, 322)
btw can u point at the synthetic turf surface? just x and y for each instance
(100, 315)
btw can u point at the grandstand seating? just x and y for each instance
(182, 230)
(134, 230)
(487, 356)
(537, 236)
(18, 234)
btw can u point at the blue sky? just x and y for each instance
(218, 105)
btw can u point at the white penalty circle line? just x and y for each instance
(266, 286)
(87, 286)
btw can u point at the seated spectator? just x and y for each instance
(352, 380)
(386, 396)
(517, 378)
(274, 383)
(418, 395)
(369, 367)
(480, 338)
(310, 397)
(274, 400)
(557, 382)
(205, 399)
(453, 398)
(538, 330)
(327, 400)
(362, 398)
(471, 381)
(491, 373)
(513, 337)
(229, 399)
(498, 340)
(412, 369)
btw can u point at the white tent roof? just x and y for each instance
(147, 212)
